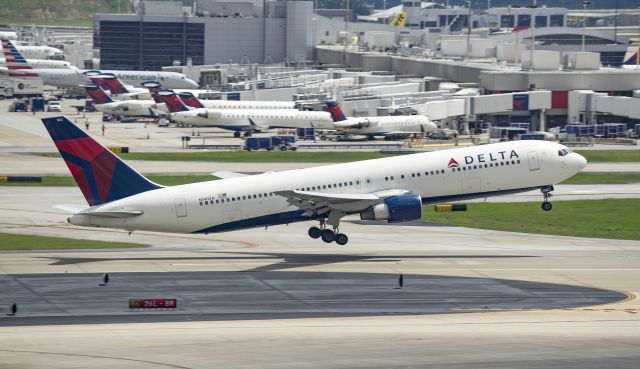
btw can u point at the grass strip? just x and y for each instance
(611, 218)
(610, 156)
(10, 241)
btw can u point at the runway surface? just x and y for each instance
(276, 299)
(258, 295)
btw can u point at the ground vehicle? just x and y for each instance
(11, 87)
(54, 105)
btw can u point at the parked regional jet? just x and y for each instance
(45, 64)
(40, 52)
(399, 125)
(244, 119)
(76, 77)
(392, 189)
(128, 108)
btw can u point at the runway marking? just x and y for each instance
(96, 357)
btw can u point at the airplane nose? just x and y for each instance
(193, 84)
(580, 161)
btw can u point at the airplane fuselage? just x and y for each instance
(261, 118)
(72, 78)
(250, 201)
(408, 124)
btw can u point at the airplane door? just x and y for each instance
(534, 160)
(181, 207)
(368, 182)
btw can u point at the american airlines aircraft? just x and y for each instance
(45, 64)
(76, 77)
(40, 52)
(244, 119)
(390, 189)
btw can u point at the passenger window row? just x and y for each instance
(418, 174)
(269, 194)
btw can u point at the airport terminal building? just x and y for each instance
(162, 33)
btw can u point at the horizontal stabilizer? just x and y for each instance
(225, 174)
(115, 213)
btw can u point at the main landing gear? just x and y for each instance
(328, 235)
(546, 192)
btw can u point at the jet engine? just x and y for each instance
(402, 208)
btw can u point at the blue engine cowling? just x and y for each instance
(402, 208)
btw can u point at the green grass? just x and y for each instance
(68, 181)
(10, 241)
(610, 156)
(613, 218)
(251, 157)
(603, 178)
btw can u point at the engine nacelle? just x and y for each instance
(402, 208)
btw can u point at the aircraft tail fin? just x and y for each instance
(109, 81)
(100, 174)
(172, 100)
(190, 99)
(633, 59)
(153, 88)
(97, 94)
(336, 113)
(17, 65)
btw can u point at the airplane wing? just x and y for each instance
(224, 174)
(322, 202)
(353, 123)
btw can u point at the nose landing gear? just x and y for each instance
(546, 192)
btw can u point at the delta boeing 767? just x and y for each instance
(391, 189)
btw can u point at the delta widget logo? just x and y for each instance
(453, 163)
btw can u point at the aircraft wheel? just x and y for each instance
(315, 232)
(236, 134)
(342, 239)
(546, 206)
(328, 236)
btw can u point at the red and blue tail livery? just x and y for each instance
(190, 100)
(100, 174)
(16, 63)
(336, 113)
(97, 94)
(173, 102)
(633, 59)
(153, 88)
(109, 81)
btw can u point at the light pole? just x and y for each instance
(585, 3)
(468, 30)
(446, 15)
(534, 12)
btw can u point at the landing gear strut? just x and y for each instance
(328, 235)
(546, 192)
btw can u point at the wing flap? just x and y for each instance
(225, 174)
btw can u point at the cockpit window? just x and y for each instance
(563, 152)
(182, 77)
(560, 153)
